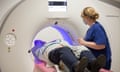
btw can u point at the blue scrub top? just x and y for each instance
(97, 34)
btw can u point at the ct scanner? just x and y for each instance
(23, 21)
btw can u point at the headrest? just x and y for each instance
(39, 43)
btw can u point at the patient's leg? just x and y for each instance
(94, 63)
(66, 55)
(88, 54)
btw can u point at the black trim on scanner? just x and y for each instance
(57, 3)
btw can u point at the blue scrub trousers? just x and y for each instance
(108, 64)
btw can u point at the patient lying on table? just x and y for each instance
(76, 58)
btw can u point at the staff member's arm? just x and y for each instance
(91, 44)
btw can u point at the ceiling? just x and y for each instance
(117, 0)
(115, 3)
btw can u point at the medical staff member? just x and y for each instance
(96, 38)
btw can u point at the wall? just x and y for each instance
(6, 7)
(32, 15)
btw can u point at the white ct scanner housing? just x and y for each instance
(23, 21)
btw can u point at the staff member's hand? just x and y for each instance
(81, 41)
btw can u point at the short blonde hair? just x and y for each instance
(90, 13)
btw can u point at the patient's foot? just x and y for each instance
(98, 63)
(61, 66)
(80, 67)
